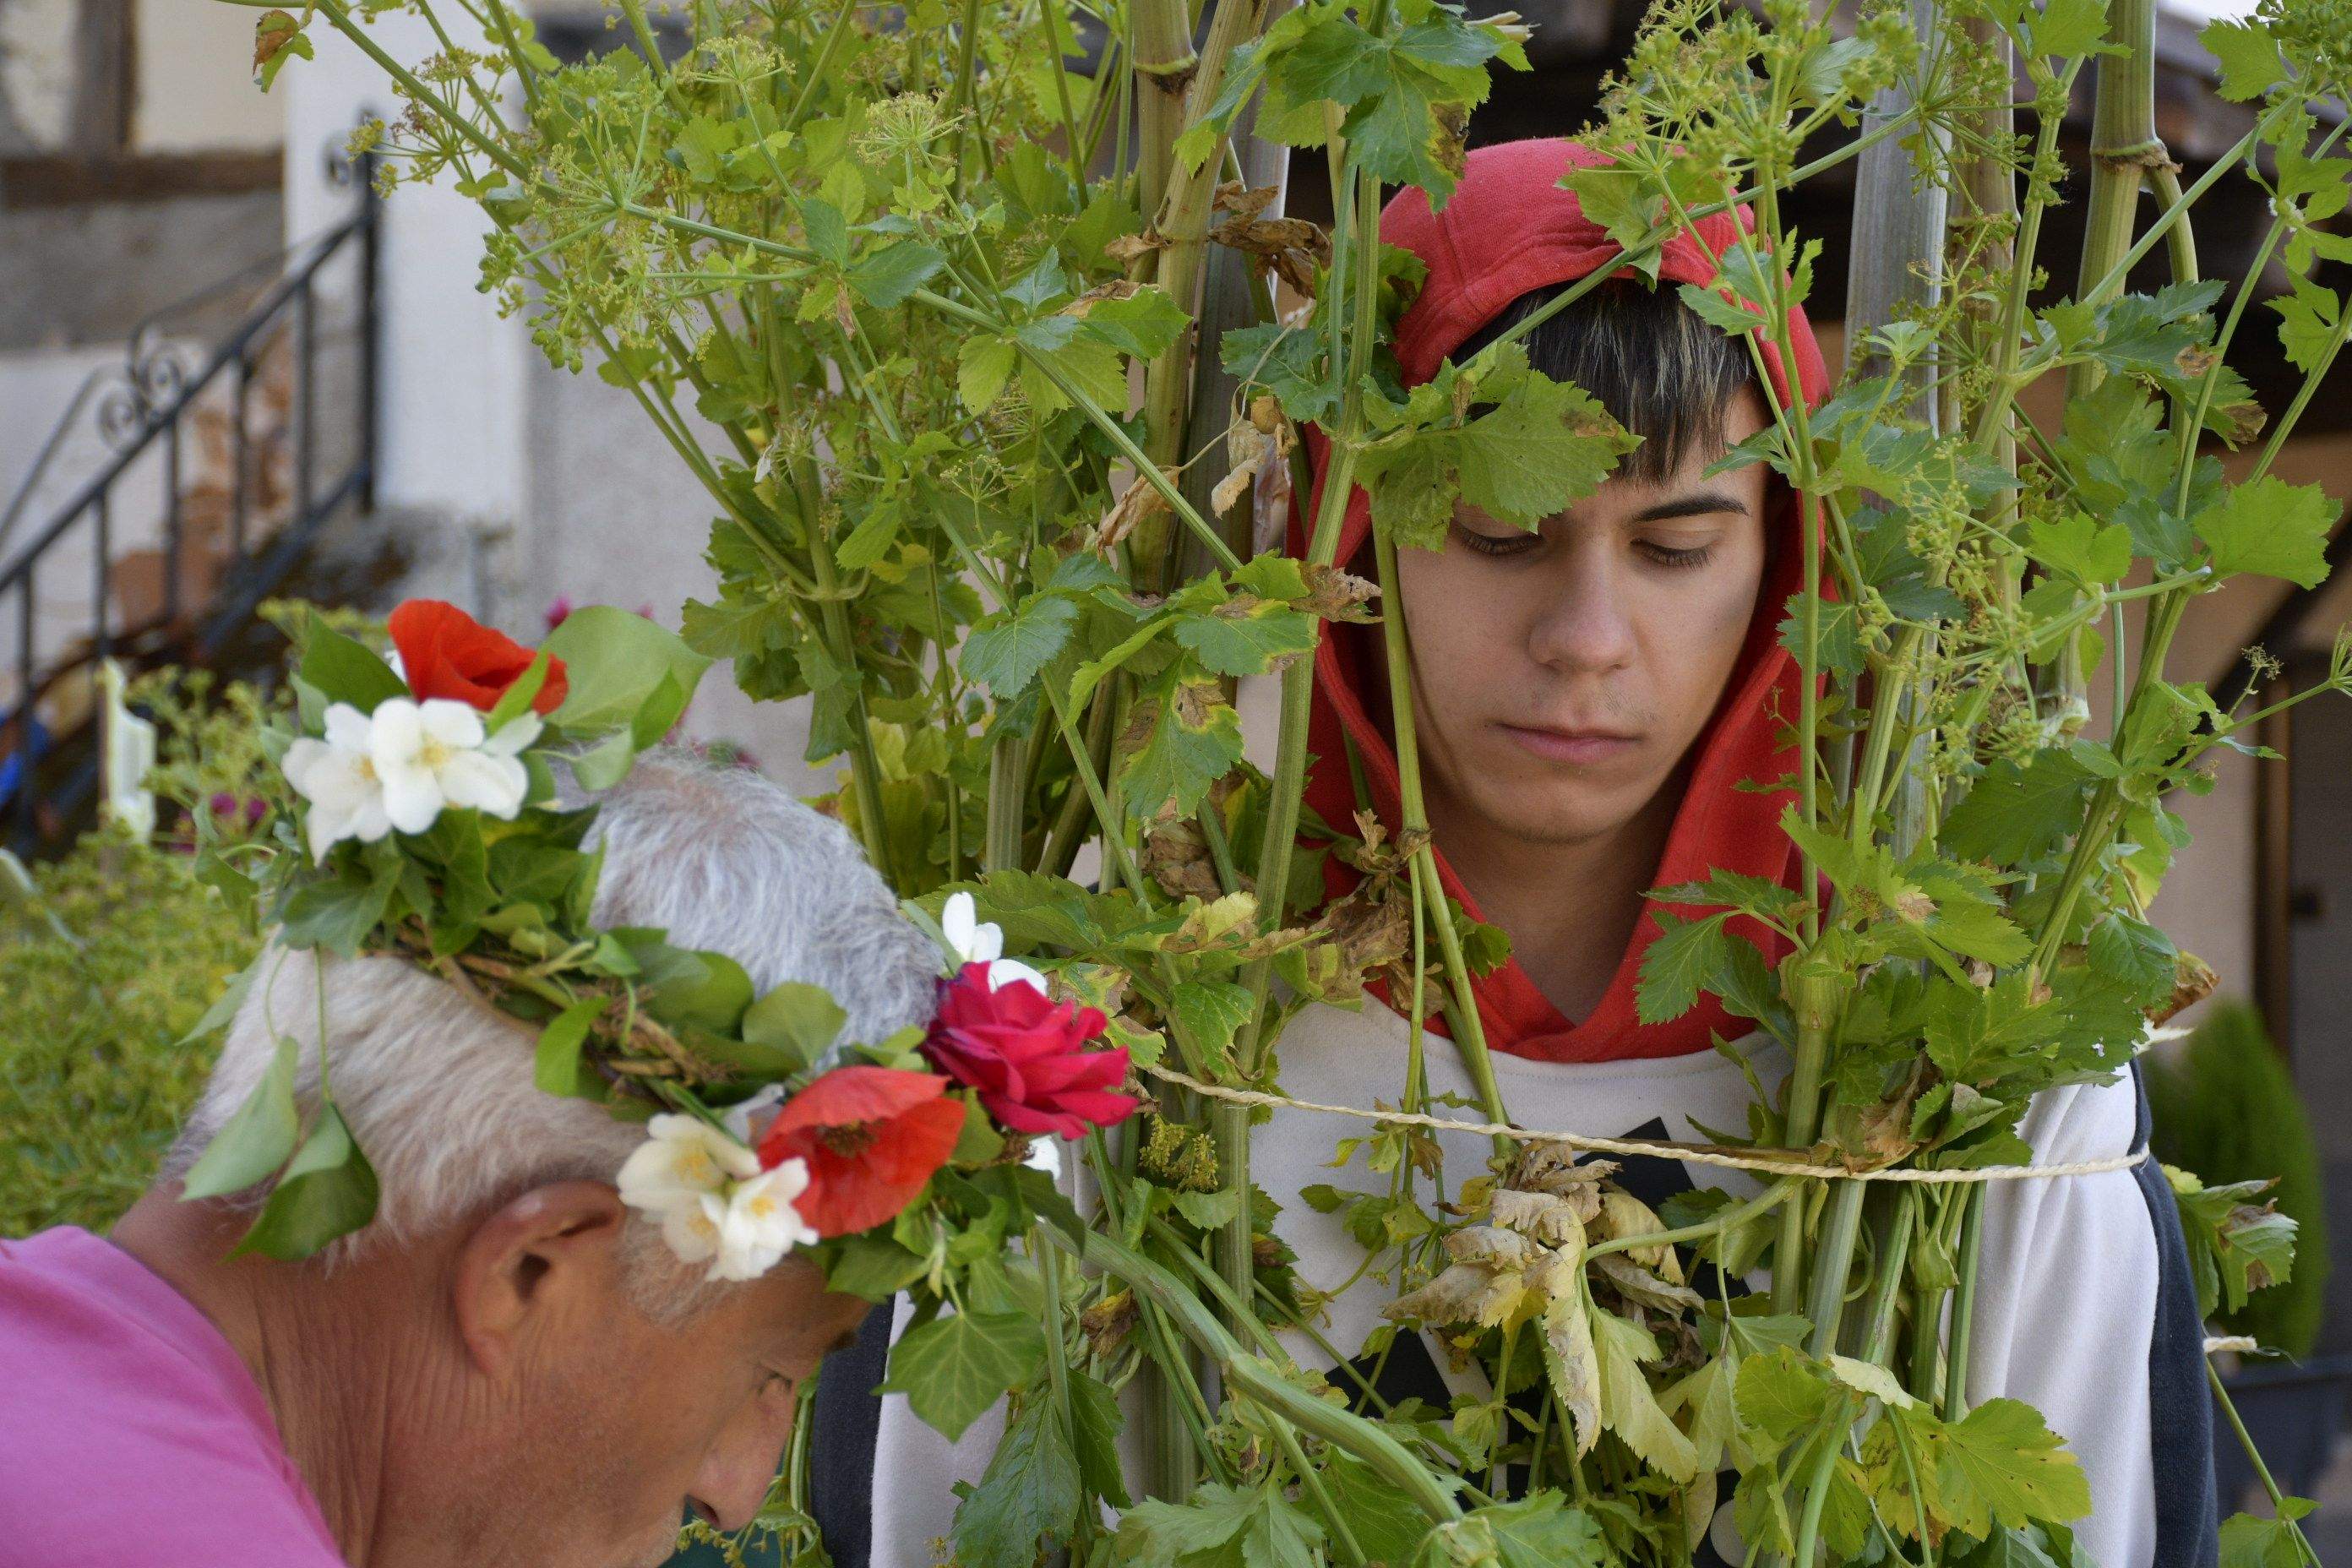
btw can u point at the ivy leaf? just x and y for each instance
(1027, 1498)
(1677, 964)
(954, 1367)
(328, 1191)
(555, 1067)
(2269, 527)
(254, 1142)
(1094, 1412)
(345, 670)
(1005, 654)
(617, 663)
(800, 1020)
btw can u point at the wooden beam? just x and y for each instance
(70, 180)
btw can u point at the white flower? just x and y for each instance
(683, 1160)
(975, 941)
(434, 753)
(338, 777)
(756, 1223)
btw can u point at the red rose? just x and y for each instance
(872, 1137)
(445, 652)
(1027, 1056)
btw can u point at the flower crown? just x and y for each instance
(419, 821)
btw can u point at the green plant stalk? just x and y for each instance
(1841, 1227)
(1813, 1000)
(1471, 1041)
(2261, 1470)
(1008, 769)
(1164, 63)
(1887, 1289)
(1245, 1377)
(1964, 1303)
(1994, 415)
(1181, 220)
(833, 616)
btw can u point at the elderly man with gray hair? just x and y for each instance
(508, 1367)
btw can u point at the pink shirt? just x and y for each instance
(130, 1432)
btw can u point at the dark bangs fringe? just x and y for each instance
(1660, 371)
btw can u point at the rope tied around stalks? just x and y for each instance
(1770, 1163)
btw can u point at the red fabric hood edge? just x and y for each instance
(1508, 230)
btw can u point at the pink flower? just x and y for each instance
(1026, 1055)
(559, 610)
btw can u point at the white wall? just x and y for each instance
(451, 397)
(194, 90)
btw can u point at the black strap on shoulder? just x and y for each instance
(841, 1448)
(2180, 1407)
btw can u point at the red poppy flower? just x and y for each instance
(445, 652)
(872, 1137)
(1026, 1055)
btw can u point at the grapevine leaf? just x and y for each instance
(2270, 527)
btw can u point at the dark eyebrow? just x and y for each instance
(1704, 504)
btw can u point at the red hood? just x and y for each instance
(1510, 230)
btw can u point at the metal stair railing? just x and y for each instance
(54, 778)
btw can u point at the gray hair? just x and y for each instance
(439, 1091)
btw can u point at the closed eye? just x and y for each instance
(1496, 544)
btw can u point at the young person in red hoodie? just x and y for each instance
(1587, 698)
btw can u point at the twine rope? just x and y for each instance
(1787, 1164)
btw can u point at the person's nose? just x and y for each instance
(1584, 625)
(733, 1482)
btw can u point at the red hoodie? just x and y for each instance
(1508, 231)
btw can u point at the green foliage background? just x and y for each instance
(92, 1080)
(2226, 1108)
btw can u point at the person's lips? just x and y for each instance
(1572, 745)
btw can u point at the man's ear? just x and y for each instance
(555, 1247)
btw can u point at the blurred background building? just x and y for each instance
(227, 372)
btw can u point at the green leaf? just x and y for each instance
(954, 1367)
(556, 1068)
(516, 700)
(1193, 738)
(1628, 1407)
(1026, 1501)
(1542, 1530)
(1386, 1523)
(1717, 312)
(1145, 324)
(337, 913)
(983, 365)
(799, 1019)
(1838, 649)
(254, 1142)
(617, 663)
(2307, 321)
(328, 1191)
(2070, 28)
(1094, 1416)
(2013, 814)
(1258, 1529)
(1005, 654)
(1211, 1013)
(872, 1267)
(827, 230)
(1675, 965)
(343, 670)
(2269, 527)
(2251, 1542)
(887, 277)
(2000, 1465)
(2248, 59)
(2092, 555)
(2138, 954)
(1247, 636)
